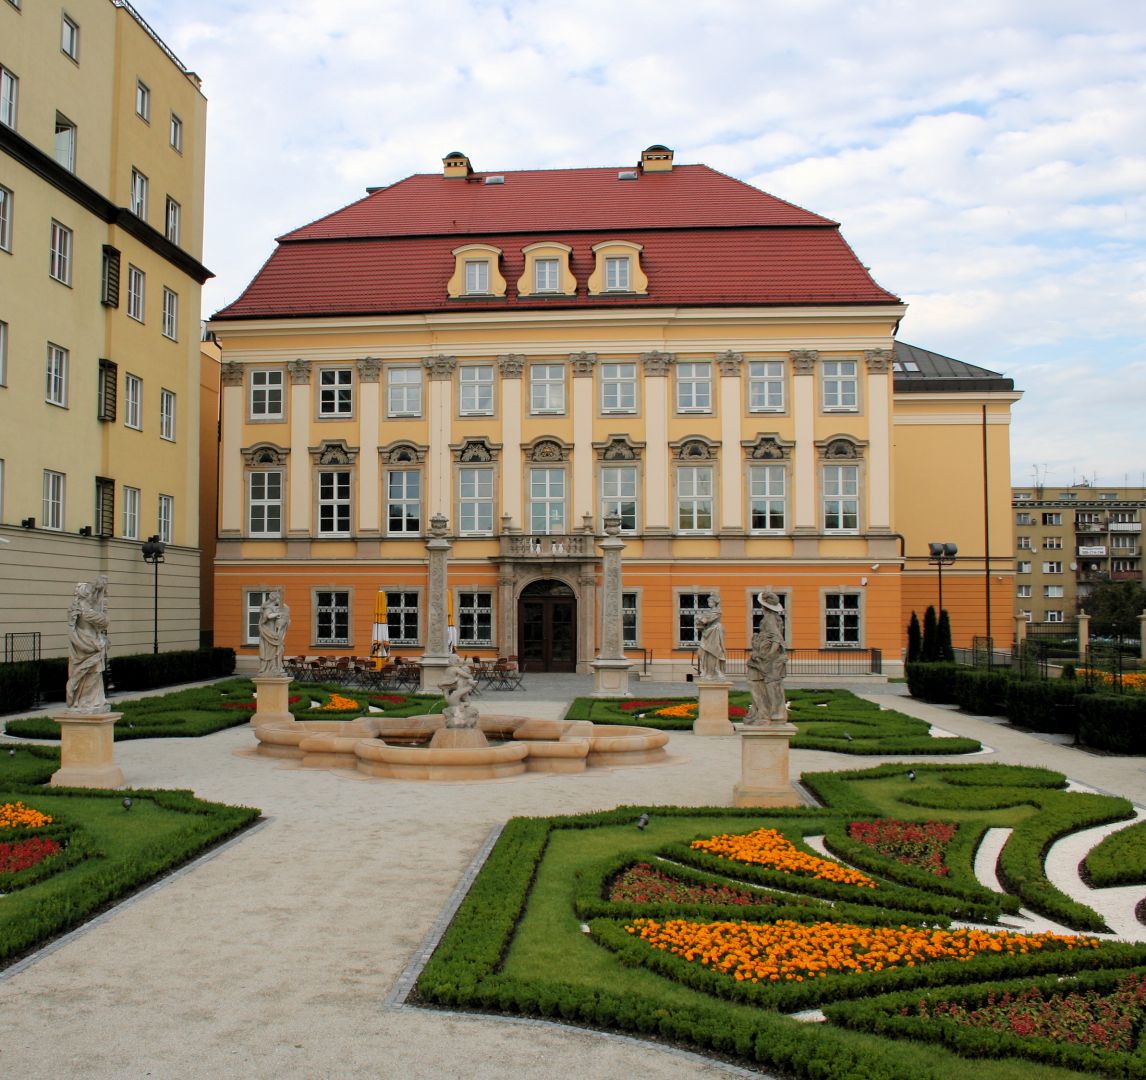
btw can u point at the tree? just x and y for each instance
(943, 648)
(1114, 607)
(914, 639)
(928, 652)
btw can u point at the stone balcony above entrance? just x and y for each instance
(577, 545)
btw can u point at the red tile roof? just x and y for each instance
(707, 239)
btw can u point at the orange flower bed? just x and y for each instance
(16, 815)
(1131, 680)
(787, 951)
(338, 703)
(767, 847)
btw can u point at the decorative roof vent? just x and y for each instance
(456, 166)
(656, 158)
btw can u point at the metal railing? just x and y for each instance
(810, 662)
(19, 648)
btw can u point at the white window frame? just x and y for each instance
(142, 100)
(64, 147)
(9, 97)
(136, 293)
(475, 500)
(335, 502)
(1053, 567)
(694, 387)
(1054, 592)
(53, 502)
(548, 491)
(131, 505)
(6, 216)
(3, 354)
(60, 261)
(403, 495)
(768, 495)
(265, 502)
(477, 277)
(630, 620)
(1023, 543)
(167, 415)
(170, 314)
(841, 501)
(1023, 518)
(70, 38)
(695, 498)
(618, 273)
(840, 384)
(175, 133)
(404, 391)
(1052, 543)
(620, 494)
(56, 375)
(139, 186)
(839, 630)
(336, 393)
(1023, 592)
(332, 607)
(475, 390)
(403, 616)
(165, 518)
(1022, 568)
(547, 389)
(618, 387)
(266, 385)
(253, 610)
(172, 220)
(546, 274)
(689, 604)
(1053, 616)
(475, 618)
(133, 402)
(766, 386)
(1052, 517)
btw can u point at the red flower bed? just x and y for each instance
(250, 706)
(22, 854)
(642, 884)
(919, 844)
(388, 699)
(1085, 1018)
(646, 704)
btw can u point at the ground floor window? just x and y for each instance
(842, 620)
(331, 618)
(688, 608)
(475, 618)
(630, 637)
(402, 617)
(757, 612)
(252, 607)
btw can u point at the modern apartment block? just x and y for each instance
(524, 354)
(102, 135)
(1068, 539)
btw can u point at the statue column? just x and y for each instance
(582, 502)
(1083, 636)
(610, 668)
(231, 496)
(436, 658)
(510, 367)
(301, 506)
(369, 474)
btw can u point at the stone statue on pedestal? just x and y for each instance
(87, 647)
(710, 654)
(767, 664)
(274, 619)
(458, 685)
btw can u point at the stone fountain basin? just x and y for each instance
(381, 747)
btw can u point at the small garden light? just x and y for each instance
(642, 821)
(910, 774)
(127, 803)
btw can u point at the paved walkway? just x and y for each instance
(275, 957)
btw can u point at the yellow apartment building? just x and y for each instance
(102, 136)
(526, 353)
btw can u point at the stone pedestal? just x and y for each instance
(435, 670)
(764, 767)
(272, 700)
(465, 738)
(611, 678)
(87, 751)
(712, 708)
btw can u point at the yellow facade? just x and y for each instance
(101, 387)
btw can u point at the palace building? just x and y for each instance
(525, 353)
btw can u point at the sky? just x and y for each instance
(986, 159)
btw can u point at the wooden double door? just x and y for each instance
(547, 627)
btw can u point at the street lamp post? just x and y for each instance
(942, 555)
(153, 553)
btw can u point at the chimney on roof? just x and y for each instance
(456, 166)
(656, 158)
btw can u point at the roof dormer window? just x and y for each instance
(617, 273)
(618, 269)
(476, 272)
(547, 271)
(477, 277)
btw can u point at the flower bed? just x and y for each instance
(24, 854)
(339, 703)
(643, 884)
(15, 815)
(770, 848)
(251, 706)
(787, 951)
(922, 844)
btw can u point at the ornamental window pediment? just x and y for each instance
(334, 452)
(547, 450)
(617, 269)
(547, 271)
(402, 453)
(694, 448)
(477, 273)
(841, 448)
(264, 455)
(473, 451)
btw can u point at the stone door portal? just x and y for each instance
(547, 627)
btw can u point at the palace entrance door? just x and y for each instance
(547, 627)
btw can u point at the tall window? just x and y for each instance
(265, 503)
(546, 275)
(170, 314)
(617, 273)
(60, 262)
(694, 387)
(70, 38)
(841, 620)
(133, 401)
(840, 384)
(630, 623)
(475, 499)
(688, 607)
(475, 618)
(104, 506)
(475, 390)
(546, 500)
(694, 498)
(108, 390)
(131, 513)
(477, 277)
(766, 386)
(403, 391)
(253, 607)
(166, 518)
(109, 276)
(56, 376)
(142, 100)
(547, 388)
(767, 498)
(841, 498)
(138, 194)
(334, 502)
(619, 388)
(619, 494)
(176, 133)
(9, 97)
(266, 395)
(167, 415)
(52, 514)
(331, 618)
(3, 353)
(136, 287)
(404, 501)
(65, 143)
(172, 220)
(5, 219)
(336, 392)
(402, 617)
(758, 612)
